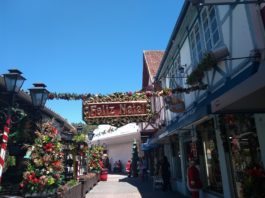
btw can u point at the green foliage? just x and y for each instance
(207, 62)
(79, 137)
(45, 167)
(94, 156)
(72, 183)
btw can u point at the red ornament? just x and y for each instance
(148, 93)
(48, 147)
(21, 185)
(51, 96)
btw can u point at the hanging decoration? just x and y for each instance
(163, 92)
(117, 109)
(208, 62)
(4, 145)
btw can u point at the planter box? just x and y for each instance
(74, 192)
(104, 175)
(41, 195)
(88, 182)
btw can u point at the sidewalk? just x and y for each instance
(120, 186)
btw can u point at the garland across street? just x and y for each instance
(119, 109)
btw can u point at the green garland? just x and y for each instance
(106, 98)
(197, 74)
(120, 97)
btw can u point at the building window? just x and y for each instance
(204, 36)
(196, 43)
(211, 166)
(174, 74)
(210, 27)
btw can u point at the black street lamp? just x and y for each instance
(90, 135)
(39, 95)
(79, 128)
(13, 83)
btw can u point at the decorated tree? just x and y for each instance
(45, 162)
(94, 157)
(135, 159)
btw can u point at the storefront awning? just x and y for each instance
(148, 145)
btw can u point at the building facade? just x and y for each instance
(222, 126)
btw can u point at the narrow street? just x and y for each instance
(120, 186)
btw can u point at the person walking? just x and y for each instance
(165, 171)
(193, 179)
(128, 168)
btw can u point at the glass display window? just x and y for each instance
(243, 146)
(209, 155)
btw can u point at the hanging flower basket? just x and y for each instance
(207, 63)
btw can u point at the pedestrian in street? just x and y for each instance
(106, 161)
(165, 170)
(142, 163)
(128, 168)
(193, 179)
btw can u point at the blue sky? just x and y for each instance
(83, 46)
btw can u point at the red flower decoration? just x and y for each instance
(148, 93)
(57, 165)
(48, 147)
(51, 96)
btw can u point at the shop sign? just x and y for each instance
(115, 109)
(175, 104)
(177, 108)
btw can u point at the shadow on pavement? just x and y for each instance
(146, 190)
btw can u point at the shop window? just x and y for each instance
(175, 148)
(209, 155)
(243, 145)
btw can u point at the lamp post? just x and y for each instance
(90, 135)
(79, 128)
(39, 95)
(13, 83)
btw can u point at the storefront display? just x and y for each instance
(209, 156)
(243, 145)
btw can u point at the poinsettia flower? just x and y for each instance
(48, 147)
(57, 165)
(46, 158)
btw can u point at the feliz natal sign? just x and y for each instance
(117, 112)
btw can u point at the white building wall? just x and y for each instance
(121, 152)
(236, 32)
(186, 59)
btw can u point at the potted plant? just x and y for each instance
(71, 189)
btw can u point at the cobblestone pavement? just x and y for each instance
(120, 186)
